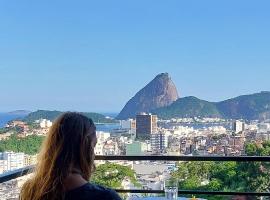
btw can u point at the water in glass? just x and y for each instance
(171, 189)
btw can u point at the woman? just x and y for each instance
(66, 163)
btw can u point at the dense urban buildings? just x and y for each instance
(177, 136)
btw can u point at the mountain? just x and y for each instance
(188, 107)
(250, 107)
(254, 106)
(160, 92)
(19, 112)
(52, 115)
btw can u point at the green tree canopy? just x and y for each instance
(112, 175)
(29, 145)
(227, 176)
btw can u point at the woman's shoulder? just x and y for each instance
(103, 190)
(92, 191)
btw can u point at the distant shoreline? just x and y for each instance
(6, 117)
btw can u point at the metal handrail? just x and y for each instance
(15, 174)
(21, 172)
(187, 158)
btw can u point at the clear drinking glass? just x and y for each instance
(171, 189)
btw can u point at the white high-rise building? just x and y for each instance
(238, 126)
(264, 127)
(13, 160)
(44, 123)
(102, 137)
(128, 124)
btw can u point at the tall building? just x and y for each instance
(11, 161)
(159, 142)
(263, 127)
(102, 137)
(146, 124)
(44, 123)
(128, 124)
(30, 160)
(238, 126)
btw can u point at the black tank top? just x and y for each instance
(91, 192)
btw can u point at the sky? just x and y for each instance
(95, 55)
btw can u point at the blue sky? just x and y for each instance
(95, 55)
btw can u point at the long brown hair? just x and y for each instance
(68, 145)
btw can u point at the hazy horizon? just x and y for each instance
(107, 113)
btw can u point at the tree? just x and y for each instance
(112, 175)
(227, 176)
(255, 175)
(215, 185)
(225, 173)
(192, 174)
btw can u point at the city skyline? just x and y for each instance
(91, 56)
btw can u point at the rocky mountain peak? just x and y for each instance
(160, 92)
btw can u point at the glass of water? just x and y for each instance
(171, 189)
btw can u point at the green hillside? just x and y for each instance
(250, 107)
(188, 107)
(254, 106)
(52, 115)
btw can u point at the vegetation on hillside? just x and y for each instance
(254, 106)
(52, 115)
(188, 107)
(29, 145)
(250, 107)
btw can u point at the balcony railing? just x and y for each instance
(21, 172)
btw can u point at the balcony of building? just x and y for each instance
(10, 182)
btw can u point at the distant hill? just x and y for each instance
(254, 106)
(52, 115)
(160, 92)
(250, 107)
(19, 112)
(188, 107)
